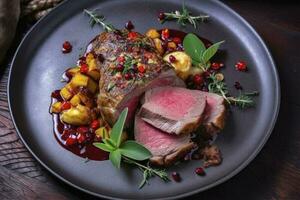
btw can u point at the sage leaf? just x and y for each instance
(193, 46)
(109, 143)
(103, 147)
(211, 51)
(115, 158)
(117, 130)
(134, 150)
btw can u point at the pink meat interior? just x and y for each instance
(158, 142)
(174, 103)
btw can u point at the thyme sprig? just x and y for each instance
(148, 171)
(95, 18)
(183, 17)
(219, 87)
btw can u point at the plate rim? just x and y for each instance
(223, 179)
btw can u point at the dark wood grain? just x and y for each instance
(274, 174)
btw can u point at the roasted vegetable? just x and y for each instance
(102, 132)
(158, 46)
(182, 63)
(152, 33)
(65, 93)
(75, 100)
(95, 74)
(56, 107)
(73, 71)
(79, 80)
(92, 86)
(87, 101)
(77, 116)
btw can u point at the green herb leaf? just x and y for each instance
(95, 18)
(103, 146)
(115, 158)
(134, 150)
(110, 143)
(117, 130)
(194, 47)
(211, 51)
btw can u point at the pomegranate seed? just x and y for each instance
(132, 35)
(241, 66)
(56, 94)
(82, 129)
(66, 47)
(161, 16)
(120, 68)
(200, 171)
(71, 140)
(215, 66)
(84, 68)
(127, 76)
(121, 59)
(95, 124)
(141, 68)
(165, 34)
(238, 86)
(198, 79)
(176, 177)
(177, 40)
(80, 138)
(66, 105)
(172, 59)
(129, 26)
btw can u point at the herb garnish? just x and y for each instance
(196, 49)
(219, 87)
(95, 18)
(183, 18)
(128, 151)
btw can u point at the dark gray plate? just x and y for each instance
(39, 63)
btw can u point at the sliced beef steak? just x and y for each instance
(165, 148)
(215, 113)
(122, 86)
(174, 110)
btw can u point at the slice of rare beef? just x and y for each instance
(215, 113)
(165, 148)
(129, 65)
(174, 110)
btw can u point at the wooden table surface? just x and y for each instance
(274, 173)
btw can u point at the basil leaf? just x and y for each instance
(117, 129)
(134, 150)
(103, 147)
(193, 46)
(211, 51)
(115, 158)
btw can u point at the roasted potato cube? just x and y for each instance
(79, 80)
(92, 86)
(158, 45)
(75, 100)
(182, 65)
(56, 107)
(91, 61)
(95, 74)
(66, 94)
(73, 71)
(152, 33)
(77, 116)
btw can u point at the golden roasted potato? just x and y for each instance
(65, 93)
(73, 71)
(77, 116)
(158, 46)
(79, 80)
(56, 107)
(95, 74)
(91, 61)
(102, 132)
(172, 45)
(182, 64)
(75, 100)
(87, 101)
(152, 33)
(92, 86)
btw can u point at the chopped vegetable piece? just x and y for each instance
(79, 115)
(152, 33)
(65, 93)
(79, 80)
(75, 100)
(56, 107)
(102, 132)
